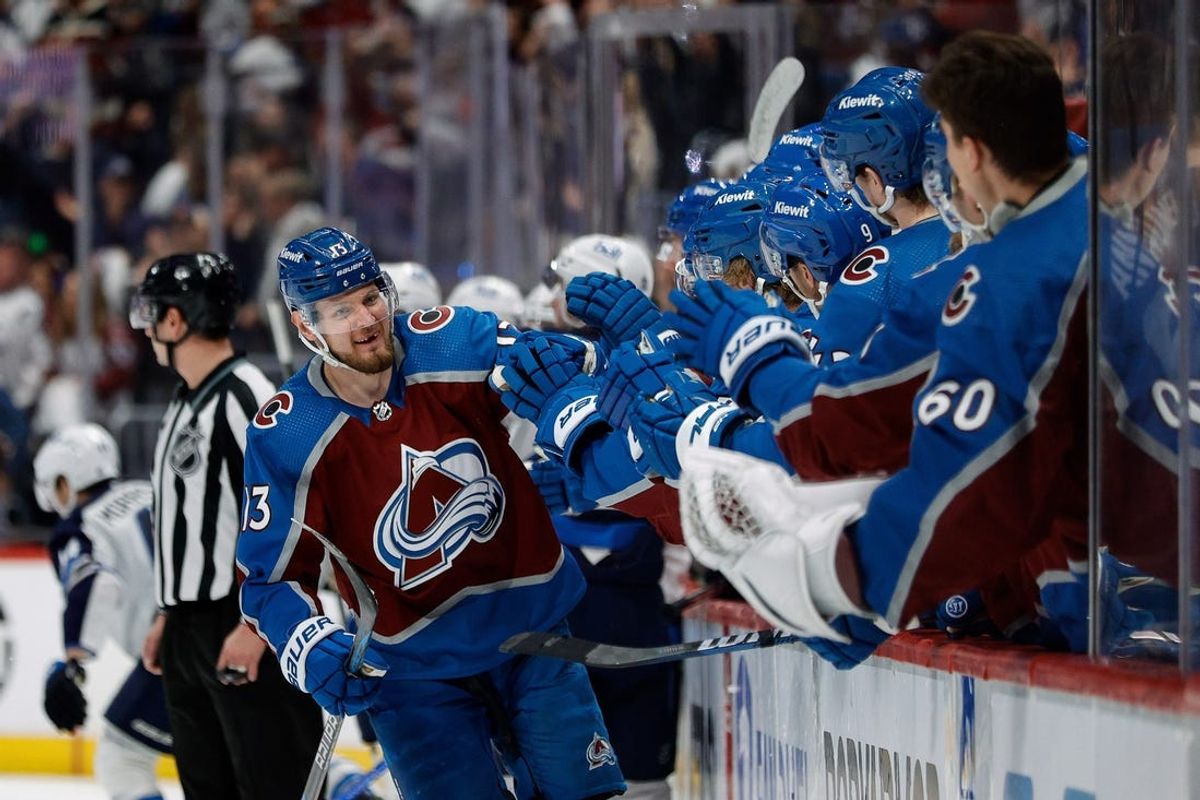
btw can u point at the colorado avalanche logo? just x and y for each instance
(278, 405)
(600, 752)
(447, 498)
(862, 269)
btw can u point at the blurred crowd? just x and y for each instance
(149, 138)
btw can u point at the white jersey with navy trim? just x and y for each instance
(197, 480)
(103, 554)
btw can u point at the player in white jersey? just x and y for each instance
(103, 554)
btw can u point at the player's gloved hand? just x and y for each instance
(569, 420)
(630, 375)
(537, 368)
(63, 700)
(612, 304)
(864, 636)
(683, 415)
(547, 476)
(729, 334)
(965, 615)
(314, 661)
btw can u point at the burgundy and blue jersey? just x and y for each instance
(422, 492)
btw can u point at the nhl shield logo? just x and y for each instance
(184, 456)
(447, 499)
(600, 752)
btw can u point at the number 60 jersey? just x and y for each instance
(422, 492)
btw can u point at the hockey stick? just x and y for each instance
(281, 339)
(611, 656)
(368, 608)
(778, 90)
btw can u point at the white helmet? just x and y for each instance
(612, 255)
(415, 285)
(84, 455)
(490, 293)
(539, 308)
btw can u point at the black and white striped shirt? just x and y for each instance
(197, 480)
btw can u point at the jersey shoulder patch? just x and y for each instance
(293, 419)
(864, 267)
(447, 340)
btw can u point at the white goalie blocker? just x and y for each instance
(775, 539)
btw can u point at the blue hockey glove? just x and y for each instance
(569, 420)
(632, 375)
(314, 661)
(547, 476)
(63, 700)
(613, 305)
(683, 415)
(728, 333)
(965, 615)
(537, 368)
(864, 636)
(560, 488)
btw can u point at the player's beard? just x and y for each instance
(371, 363)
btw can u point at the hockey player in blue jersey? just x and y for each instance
(104, 557)
(998, 453)
(873, 149)
(390, 443)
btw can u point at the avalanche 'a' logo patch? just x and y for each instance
(600, 752)
(447, 498)
(862, 269)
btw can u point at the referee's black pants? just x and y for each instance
(254, 742)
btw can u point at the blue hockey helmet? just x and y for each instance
(687, 206)
(727, 228)
(879, 123)
(807, 220)
(323, 264)
(794, 153)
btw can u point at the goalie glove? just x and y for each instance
(314, 661)
(612, 304)
(775, 540)
(536, 368)
(63, 698)
(729, 334)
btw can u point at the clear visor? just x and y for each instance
(143, 312)
(685, 276)
(773, 255)
(933, 180)
(353, 310)
(706, 267)
(840, 176)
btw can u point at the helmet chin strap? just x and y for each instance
(170, 346)
(878, 212)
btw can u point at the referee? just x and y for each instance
(240, 729)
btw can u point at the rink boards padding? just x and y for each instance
(930, 718)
